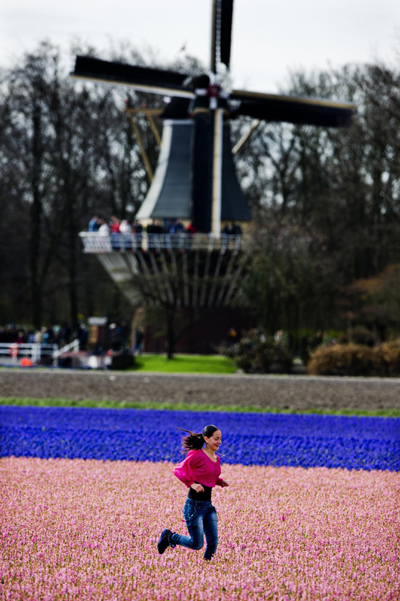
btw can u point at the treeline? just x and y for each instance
(326, 202)
(67, 152)
(328, 224)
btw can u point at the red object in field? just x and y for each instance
(25, 362)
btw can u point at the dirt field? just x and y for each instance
(283, 392)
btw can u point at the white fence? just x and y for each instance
(72, 346)
(12, 352)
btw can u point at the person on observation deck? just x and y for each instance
(94, 224)
(114, 225)
(103, 230)
(200, 471)
(125, 227)
(190, 229)
(236, 229)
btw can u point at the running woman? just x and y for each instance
(200, 472)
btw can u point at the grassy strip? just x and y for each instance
(179, 364)
(26, 402)
(200, 364)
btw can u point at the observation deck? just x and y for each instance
(184, 270)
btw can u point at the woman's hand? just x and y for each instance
(197, 487)
(224, 484)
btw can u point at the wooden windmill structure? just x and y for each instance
(195, 179)
(196, 141)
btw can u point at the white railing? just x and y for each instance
(72, 346)
(13, 351)
(35, 350)
(94, 242)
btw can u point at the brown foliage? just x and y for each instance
(356, 360)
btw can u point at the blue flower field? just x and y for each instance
(368, 443)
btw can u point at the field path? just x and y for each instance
(282, 392)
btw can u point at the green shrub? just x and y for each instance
(258, 353)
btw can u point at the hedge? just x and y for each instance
(356, 360)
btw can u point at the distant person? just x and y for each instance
(232, 336)
(179, 228)
(114, 337)
(114, 225)
(94, 224)
(115, 231)
(21, 338)
(137, 227)
(103, 230)
(151, 228)
(158, 228)
(39, 335)
(235, 229)
(126, 232)
(190, 229)
(65, 334)
(31, 337)
(172, 226)
(176, 227)
(124, 333)
(137, 230)
(125, 227)
(83, 335)
(139, 338)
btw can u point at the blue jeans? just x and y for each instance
(201, 518)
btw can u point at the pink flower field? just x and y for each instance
(85, 529)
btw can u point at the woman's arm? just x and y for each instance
(184, 471)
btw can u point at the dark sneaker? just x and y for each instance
(165, 540)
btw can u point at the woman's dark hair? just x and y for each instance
(195, 441)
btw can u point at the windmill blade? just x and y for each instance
(226, 31)
(221, 33)
(292, 109)
(213, 64)
(143, 79)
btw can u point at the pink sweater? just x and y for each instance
(198, 467)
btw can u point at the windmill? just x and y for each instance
(195, 179)
(196, 139)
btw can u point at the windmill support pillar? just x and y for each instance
(217, 174)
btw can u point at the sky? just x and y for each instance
(270, 37)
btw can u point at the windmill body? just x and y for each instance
(183, 178)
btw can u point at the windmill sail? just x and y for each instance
(221, 33)
(144, 79)
(291, 109)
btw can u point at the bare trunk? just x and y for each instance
(73, 296)
(36, 222)
(171, 338)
